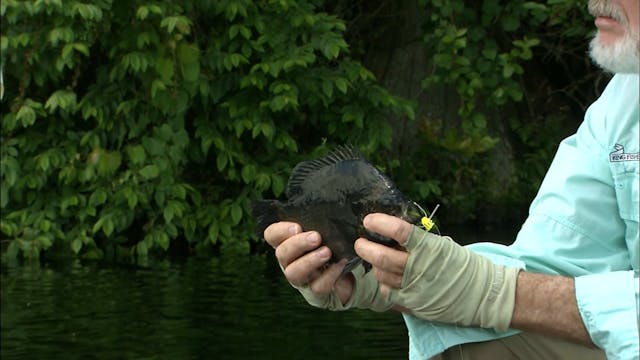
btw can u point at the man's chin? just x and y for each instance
(621, 57)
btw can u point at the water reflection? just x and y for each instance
(231, 307)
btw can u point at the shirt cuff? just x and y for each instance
(607, 304)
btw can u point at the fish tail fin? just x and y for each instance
(265, 212)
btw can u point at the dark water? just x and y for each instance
(230, 307)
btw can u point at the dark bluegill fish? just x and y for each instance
(332, 195)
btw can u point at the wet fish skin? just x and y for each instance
(332, 195)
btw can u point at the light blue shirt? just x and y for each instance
(583, 223)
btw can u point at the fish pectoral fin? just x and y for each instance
(351, 264)
(367, 266)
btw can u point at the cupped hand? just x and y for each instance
(304, 262)
(436, 279)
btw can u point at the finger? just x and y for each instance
(324, 283)
(304, 269)
(385, 291)
(343, 287)
(296, 246)
(380, 256)
(389, 226)
(392, 280)
(278, 232)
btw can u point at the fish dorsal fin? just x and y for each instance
(305, 169)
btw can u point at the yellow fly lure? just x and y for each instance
(427, 222)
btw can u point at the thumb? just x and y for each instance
(416, 236)
(388, 226)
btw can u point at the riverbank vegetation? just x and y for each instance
(146, 127)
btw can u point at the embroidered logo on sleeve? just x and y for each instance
(620, 155)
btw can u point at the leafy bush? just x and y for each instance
(518, 69)
(130, 127)
(147, 126)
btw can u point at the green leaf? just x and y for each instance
(267, 130)
(233, 31)
(165, 68)
(98, 197)
(263, 182)
(60, 34)
(81, 48)
(246, 32)
(327, 88)
(87, 11)
(13, 249)
(107, 227)
(76, 245)
(150, 172)
(142, 248)
(190, 72)
(153, 146)
(44, 241)
(108, 162)
(45, 225)
(91, 211)
(8, 228)
(236, 214)
(26, 115)
(163, 241)
(63, 99)
(4, 43)
(341, 84)
(168, 214)
(507, 70)
(489, 53)
(136, 154)
(68, 202)
(189, 56)
(248, 173)
(510, 23)
(221, 161)
(142, 12)
(214, 231)
(157, 85)
(277, 184)
(180, 23)
(4, 196)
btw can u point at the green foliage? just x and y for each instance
(144, 126)
(482, 47)
(499, 57)
(141, 125)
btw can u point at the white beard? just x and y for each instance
(621, 57)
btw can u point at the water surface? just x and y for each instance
(229, 307)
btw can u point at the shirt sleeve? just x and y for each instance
(611, 320)
(609, 301)
(583, 223)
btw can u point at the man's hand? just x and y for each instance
(437, 279)
(303, 261)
